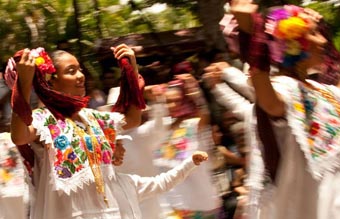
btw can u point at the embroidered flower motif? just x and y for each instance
(72, 156)
(96, 131)
(61, 142)
(59, 157)
(54, 129)
(63, 172)
(99, 153)
(182, 144)
(299, 107)
(106, 157)
(79, 167)
(101, 123)
(314, 128)
(88, 142)
(331, 130)
(112, 145)
(69, 155)
(61, 124)
(5, 176)
(10, 163)
(110, 134)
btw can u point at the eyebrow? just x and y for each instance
(71, 66)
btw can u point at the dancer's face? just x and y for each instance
(69, 78)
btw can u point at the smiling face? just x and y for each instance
(69, 78)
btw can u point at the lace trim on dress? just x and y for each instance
(256, 170)
(70, 168)
(319, 140)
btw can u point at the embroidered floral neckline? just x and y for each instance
(70, 163)
(316, 124)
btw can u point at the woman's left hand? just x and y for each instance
(123, 50)
(199, 156)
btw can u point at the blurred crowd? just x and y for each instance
(269, 127)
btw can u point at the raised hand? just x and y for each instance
(213, 73)
(123, 50)
(242, 10)
(25, 70)
(199, 156)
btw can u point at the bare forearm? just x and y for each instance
(20, 132)
(132, 117)
(266, 96)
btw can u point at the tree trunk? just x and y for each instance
(78, 30)
(210, 12)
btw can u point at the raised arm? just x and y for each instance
(259, 61)
(194, 93)
(21, 133)
(133, 113)
(150, 186)
(216, 78)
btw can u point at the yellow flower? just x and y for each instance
(169, 152)
(292, 28)
(39, 61)
(299, 107)
(5, 176)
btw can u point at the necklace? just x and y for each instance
(92, 149)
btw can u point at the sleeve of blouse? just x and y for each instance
(229, 98)
(150, 186)
(238, 81)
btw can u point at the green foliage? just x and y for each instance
(25, 23)
(331, 15)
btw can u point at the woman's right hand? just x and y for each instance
(213, 74)
(25, 70)
(123, 50)
(242, 10)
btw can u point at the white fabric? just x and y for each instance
(13, 208)
(231, 99)
(83, 201)
(139, 154)
(238, 81)
(296, 194)
(13, 188)
(234, 93)
(113, 95)
(131, 189)
(197, 192)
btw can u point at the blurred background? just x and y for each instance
(168, 36)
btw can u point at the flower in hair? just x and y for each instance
(289, 29)
(292, 28)
(43, 61)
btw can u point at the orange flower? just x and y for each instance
(110, 134)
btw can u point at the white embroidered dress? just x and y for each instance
(63, 183)
(13, 188)
(308, 177)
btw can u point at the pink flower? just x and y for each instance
(101, 123)
(54, 129)
(106, 156)
(314, 129)
(61, 124)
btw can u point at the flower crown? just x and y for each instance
(289, 28)
(43, 62)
